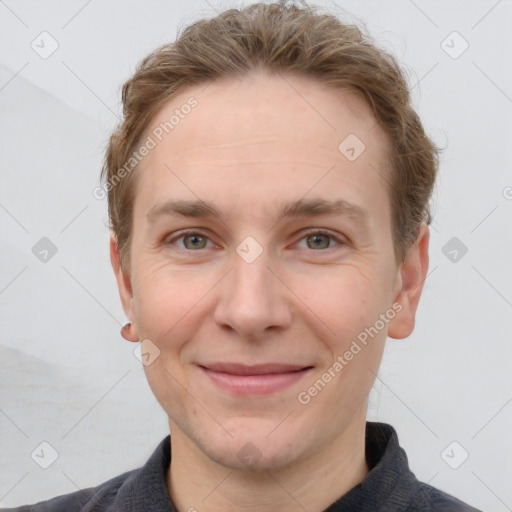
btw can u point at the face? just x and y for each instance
(261, 251)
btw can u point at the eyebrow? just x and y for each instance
(301, 207)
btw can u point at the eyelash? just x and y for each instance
(310, 232)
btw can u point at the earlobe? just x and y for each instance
(129, 331)
(412, 275)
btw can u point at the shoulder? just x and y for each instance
(431, 499)
(391, 480)
(84, 500)
(145, 485)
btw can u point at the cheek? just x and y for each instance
(166, 301)
(162, 297)
(171, 303)
(346, 298)
(351, 303)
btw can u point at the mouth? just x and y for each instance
(254, 379)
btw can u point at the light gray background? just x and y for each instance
(68, 378)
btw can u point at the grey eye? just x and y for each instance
(318, 241)
(194, 241)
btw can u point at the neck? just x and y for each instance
(197, 482)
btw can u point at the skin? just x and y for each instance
(249, 145)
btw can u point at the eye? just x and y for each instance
(192, 240)
(319, 239)
(314, 239)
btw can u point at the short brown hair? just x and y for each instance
(279, 38)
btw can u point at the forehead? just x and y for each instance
(266, 136)
(263, 104)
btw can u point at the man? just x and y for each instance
(268, 194)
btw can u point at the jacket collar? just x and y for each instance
(389, 481)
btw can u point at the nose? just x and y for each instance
(253, 299)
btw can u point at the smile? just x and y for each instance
(258, 379)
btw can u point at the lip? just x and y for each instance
(254, 379)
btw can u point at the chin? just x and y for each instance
(251, 459)
(254, 446)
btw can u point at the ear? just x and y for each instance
(125, 289)
(409, 285)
